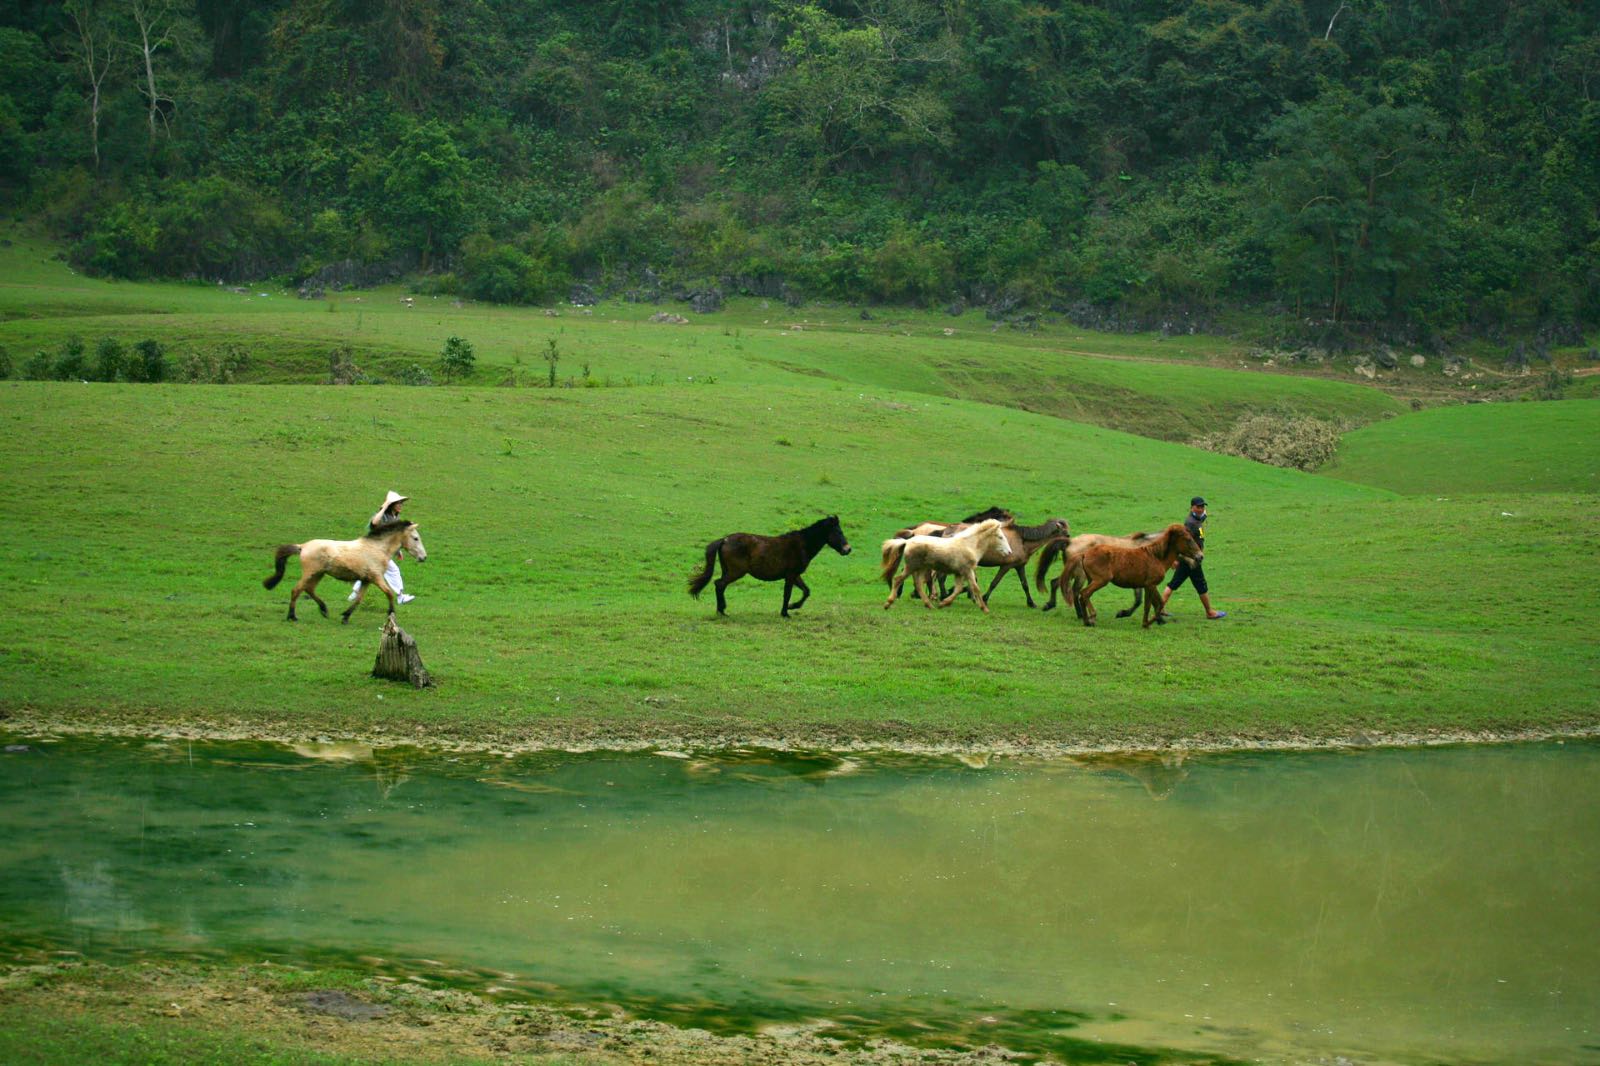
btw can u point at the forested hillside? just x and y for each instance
(1428, 167)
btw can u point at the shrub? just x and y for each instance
(220, 367)
(110, 360)
(6, 366)
(415, 375)
(1554, 384)
(69, 362)
(342, 369)
(910, 268)
(502, 273)
(1296, 441)
(39, 367)
(456, 358)
(150, 361)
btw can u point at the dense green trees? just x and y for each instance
(1367, 162)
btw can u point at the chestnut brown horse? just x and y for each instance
(768, 559)
(1130, 568)
(1075, 546)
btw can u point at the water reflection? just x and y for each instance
(1389, 905)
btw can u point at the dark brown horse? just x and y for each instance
(769, 558)
(1130, 568)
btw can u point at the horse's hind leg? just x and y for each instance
(894, 590)
(729, 577)
(305, 584)
(311, 590)
(1085, 599)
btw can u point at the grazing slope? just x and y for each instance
(1479, 448)
(1156, 387)
(562, 524)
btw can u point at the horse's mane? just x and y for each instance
(1038, 532)
(383, 529)
(994, 512)
(815, 527)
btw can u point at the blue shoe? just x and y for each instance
(1215, 617)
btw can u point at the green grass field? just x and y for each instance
(562, 525)
(1479, 448)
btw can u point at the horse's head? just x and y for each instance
(1188, 547)
(989, 530)
(413, 544)
(836, 539)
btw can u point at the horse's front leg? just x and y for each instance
(1000, 574)
(1152, 605)
(1137, 596)
(805, 592)
(971, 577)
(788, 587)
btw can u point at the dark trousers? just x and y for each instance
(1195, 575)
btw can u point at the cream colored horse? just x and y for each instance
(360, 560)
(927, 557)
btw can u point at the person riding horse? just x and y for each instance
(391, 573)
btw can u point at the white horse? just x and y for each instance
(926, 557)
(348, 560)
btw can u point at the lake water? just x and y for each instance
(1386, 905)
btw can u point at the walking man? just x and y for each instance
(391, 573)
(1195, 522)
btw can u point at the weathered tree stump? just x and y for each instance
(398, 658)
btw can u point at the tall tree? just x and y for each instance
(95, 50)
(1348, 211)
(159, 26)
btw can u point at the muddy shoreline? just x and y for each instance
(579, 737)
(407, 1022)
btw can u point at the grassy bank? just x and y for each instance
(1478, 448)
(1169, 388)
(561, 526)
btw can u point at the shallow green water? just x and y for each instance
(1406, 906)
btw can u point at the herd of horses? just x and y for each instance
(931, 552)
(928, 553)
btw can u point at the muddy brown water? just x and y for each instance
(1384, 905)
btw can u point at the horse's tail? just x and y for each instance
(1047, 555)
(279, 558)
(698, 582)
(893, 549)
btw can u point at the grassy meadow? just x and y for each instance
(562, 525)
